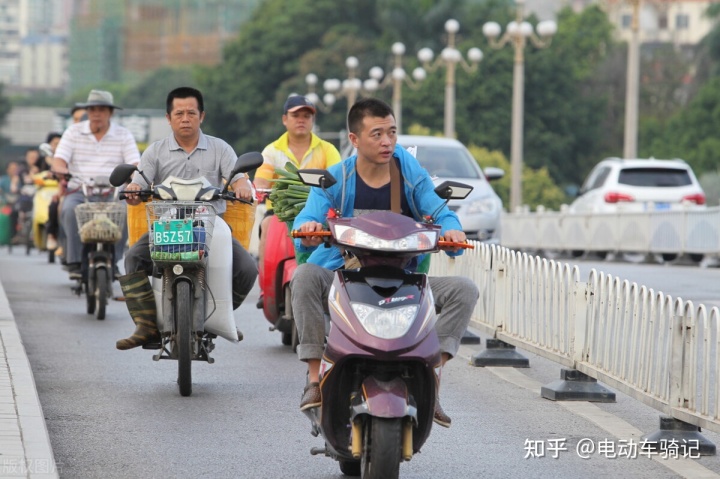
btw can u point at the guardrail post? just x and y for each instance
(499, 353)
(576, 386)
(680, 436)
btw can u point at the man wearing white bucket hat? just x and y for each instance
(90, 149)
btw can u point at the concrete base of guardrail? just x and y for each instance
(680, 436)
(499, 353)
(470, 338)
(576, 386)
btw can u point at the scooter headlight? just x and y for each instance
(385, 323)
(420, 241)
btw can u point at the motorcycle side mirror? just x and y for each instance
(121, 174)
(246, 162)
(453, 190)
(317, 177)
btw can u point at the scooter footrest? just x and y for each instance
(152, 346)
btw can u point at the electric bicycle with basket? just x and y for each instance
(377, 376)
(101, 220)
(191, 250)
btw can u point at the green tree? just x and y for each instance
(151, 91)
(691, 134)
(537, 185)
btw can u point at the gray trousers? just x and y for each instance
(456, 295)
(68, 220)
(244, 271)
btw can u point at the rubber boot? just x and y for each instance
(140, 302)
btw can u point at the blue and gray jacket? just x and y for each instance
(419, 191)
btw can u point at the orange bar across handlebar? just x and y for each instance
(309, 234)
(453, 244)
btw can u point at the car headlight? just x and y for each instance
(485, 205)
(388, 323)
(420, 241)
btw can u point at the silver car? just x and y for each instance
(448, 159)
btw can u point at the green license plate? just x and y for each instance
(172, 232)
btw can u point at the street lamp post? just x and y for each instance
(328, 99)
(518, 32)
(633, 85)
(450, 57)
(351, 86)
(396, 78)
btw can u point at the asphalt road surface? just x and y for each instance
(118, 414)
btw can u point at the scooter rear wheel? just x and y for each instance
(382, 448)
(183, 336)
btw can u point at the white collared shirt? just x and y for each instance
(88, 158)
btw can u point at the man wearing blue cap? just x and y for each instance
(298, 145)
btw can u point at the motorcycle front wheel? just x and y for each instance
(183, 336)
(382, 448)
(101, 292)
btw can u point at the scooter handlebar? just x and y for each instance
(454, 244)
(309, 234)
(143, 194)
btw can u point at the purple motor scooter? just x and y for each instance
(378, 375)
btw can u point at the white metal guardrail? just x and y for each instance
(691, 231)
(659, 350)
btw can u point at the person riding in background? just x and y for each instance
(53, 225)
(78, 113)
(298, 145)
(90, 149)
(187, 153)
(364, 186)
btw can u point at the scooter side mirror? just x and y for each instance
(453, 190)
(317, 177)
(246, 162)
(121, 174)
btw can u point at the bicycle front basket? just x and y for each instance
(180, 232)
(100, 222)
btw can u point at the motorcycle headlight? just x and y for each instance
(385, 323)
(420, 241)
(486, 205)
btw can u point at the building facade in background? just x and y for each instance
(120, 40)
(66, 45)
(680, 22)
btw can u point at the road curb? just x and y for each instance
(25, 449)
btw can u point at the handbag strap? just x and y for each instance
(394, 187)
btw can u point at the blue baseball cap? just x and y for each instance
(297, 102)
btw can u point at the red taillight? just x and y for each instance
(615, 197)
(697, 198)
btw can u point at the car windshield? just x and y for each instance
(654, 177)
(445, 162)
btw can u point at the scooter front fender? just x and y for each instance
(388, 399)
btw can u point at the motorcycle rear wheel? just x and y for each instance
(183, 336)
(382, 444)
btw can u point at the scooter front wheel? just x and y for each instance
(183, 336)
(382, 448)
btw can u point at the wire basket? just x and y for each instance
(180, 231)
(100, 222)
